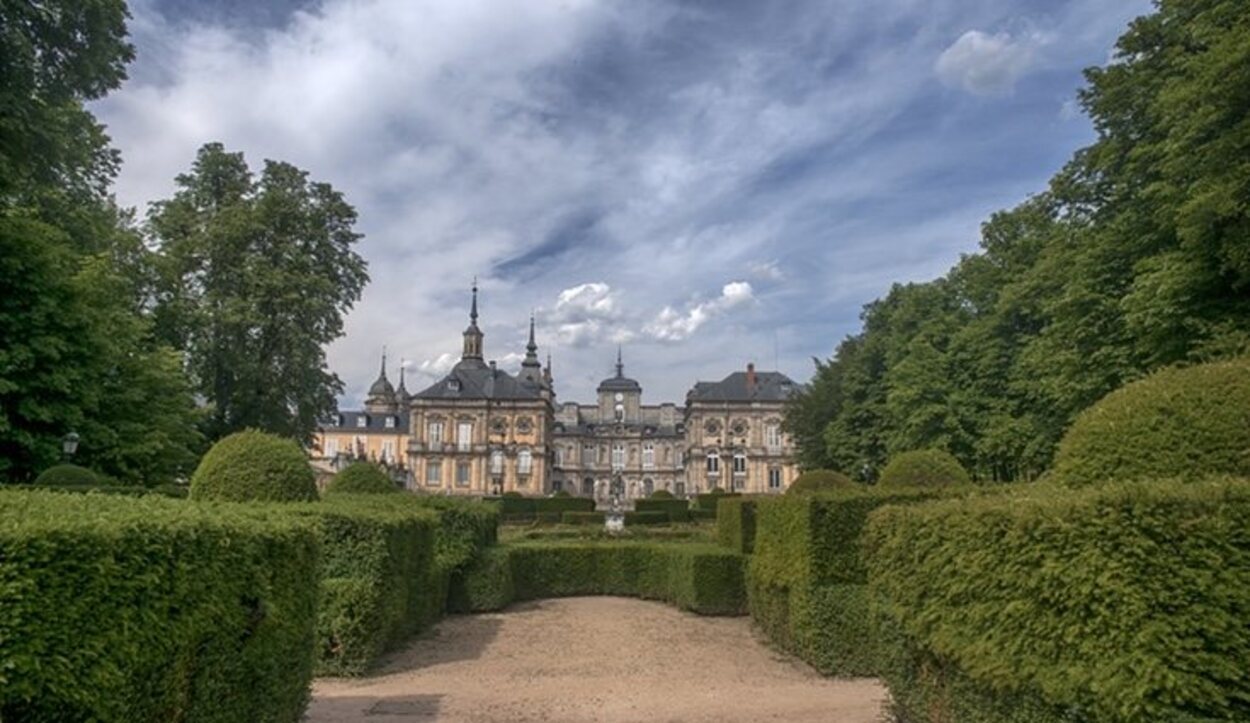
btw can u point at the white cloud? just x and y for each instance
(672, 325)
(586, 315)
(766, 271)
(985, 64)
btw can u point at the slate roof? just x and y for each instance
(619, 384)
(769, 387)
(590, 430)
(473, 379)
(374, 423)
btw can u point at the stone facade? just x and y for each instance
(482, 431)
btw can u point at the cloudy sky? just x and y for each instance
(704, 183)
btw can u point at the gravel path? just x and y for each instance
(594, 659)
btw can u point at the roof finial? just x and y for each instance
(383, 372)
(473, 310)
(531, 346)
(620, 365)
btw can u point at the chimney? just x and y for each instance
(751, 378)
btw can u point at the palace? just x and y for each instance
(482, 431)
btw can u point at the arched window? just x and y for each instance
(496, 462)
(647, 487)
(588, 487)
(713, 463)
(524, 461)
(648, 455)
(618, 456)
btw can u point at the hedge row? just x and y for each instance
(1121, 603)
(164, 490)
(390, 563)
(379, 583)
(583, 518)
(703, 578)
(153, 609)
(709, 500)
(735, 524)
(675, 510)
(542, 509)
(806, 579)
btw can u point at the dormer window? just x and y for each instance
(390, 422)
(453, 385)
(362, 421)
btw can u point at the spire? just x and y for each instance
(473, 309)
(620, 365)
(547, 371)
(473, 335)
(531, 347)
(382, 373)
(531, 368)
(402, 391)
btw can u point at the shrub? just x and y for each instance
(67, 475)
(648, 517)
(561, 493)
(1184, 423)
(923, 468)
(662, 495)
(674, 510)
(697, 514)
(362, 478)
(708, 500)
(805, 580)
(583, 518)
(735, 524)
(701, 578)
(544, 509)
(378, 573)
(153, 610)
(252, 465)
(819, 480)
(1129, 602)
(513, 494)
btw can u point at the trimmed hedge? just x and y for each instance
(252, 465)
(735, 524)
(1129, 602)
(924, 468)
(362, 478)
(389, 569)
(162, 490)
(153, 610)
(541, 509)
(662, 495)
(648, 517)
(379, 584)
(697, 515)
(708, 500)
(675, 510)
(806, 578)
(819, 480)
(583, 518)
(1184, 423)
(67, 475)
(702, 578)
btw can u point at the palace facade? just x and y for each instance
(482, 431)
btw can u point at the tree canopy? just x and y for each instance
(1136, 257)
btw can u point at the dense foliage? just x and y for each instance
(517, 508)
(661, 495)
(818, 480)
(675, 510)
(1134, 258)
(252, 465)
(735, 524)
(253, 279)
(92, 584)
(806, 579)
(923, 468)
(362, 478)
(1178, 423)
(67, 475)
(378, 584)
(1120, 603)
(79, 350)
(702, 578)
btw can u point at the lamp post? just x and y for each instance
(69, 445)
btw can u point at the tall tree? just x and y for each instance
(77, 350)
(1135, 257)
(254, 278)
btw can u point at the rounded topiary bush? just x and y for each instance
(1182, 423)
(818, 480)
(512, 493)
(67, 475)
(361, 478)
(561, 493)
(252, 465)
(923, 468)
(661, 495)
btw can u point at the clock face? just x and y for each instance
(620, 397)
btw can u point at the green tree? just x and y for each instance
(254, 277)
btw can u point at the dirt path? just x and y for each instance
(594, 659)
